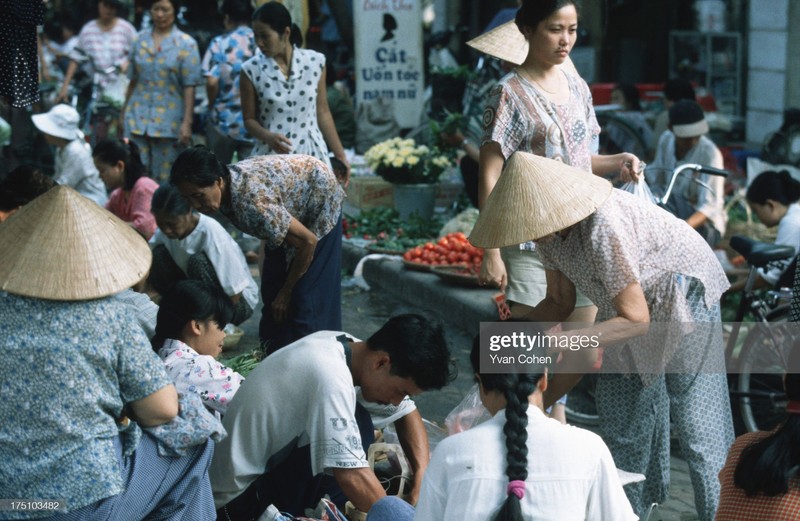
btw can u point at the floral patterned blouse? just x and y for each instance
(628, 240)
(267, 191)
(161, 73)
(631, 240)
(200, 374)
(519, 117)
(69, 368)
(289, 105)
(223, 60)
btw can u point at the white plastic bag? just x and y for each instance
(467, 414)
(114, 92)
(639, 189)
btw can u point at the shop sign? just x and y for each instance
(389, 64)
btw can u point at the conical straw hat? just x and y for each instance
(535, 197)
(62, 246)
(507, 43)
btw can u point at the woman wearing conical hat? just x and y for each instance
(657, 286)
(542, 107)
(87, 405)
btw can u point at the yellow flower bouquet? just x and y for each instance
(402, 161)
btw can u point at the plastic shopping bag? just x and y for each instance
(639, 189)
(467, 414)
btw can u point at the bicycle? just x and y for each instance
(756, 367)
(103, 108)
(580, 407)
(618, 135)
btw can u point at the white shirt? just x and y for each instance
(303, 394)
(144, 309)
(210, 237)
(192, 372)
(74, 167)
(788, 235)
(709, 203)
(571, 475)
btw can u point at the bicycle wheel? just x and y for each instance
(617, 135)
(762, 364)
(580, 408)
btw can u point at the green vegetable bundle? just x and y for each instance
(245, 362)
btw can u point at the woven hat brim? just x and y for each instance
(63, 246)
(507, 43)
(535, 197)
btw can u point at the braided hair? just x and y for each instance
(516, 389)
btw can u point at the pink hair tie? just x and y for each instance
(516, 487)
(793, 407)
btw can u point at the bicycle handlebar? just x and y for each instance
(694, 167)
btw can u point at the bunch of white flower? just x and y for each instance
(401, 160)
(395, 153)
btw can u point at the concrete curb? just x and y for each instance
(461, 306)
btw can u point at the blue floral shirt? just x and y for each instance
(223, 60)
(69, 368)
(161, 73)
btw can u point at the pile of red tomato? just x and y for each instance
(451, 250)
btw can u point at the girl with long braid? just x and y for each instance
(521, 465)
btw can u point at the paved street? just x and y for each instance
(365, 311)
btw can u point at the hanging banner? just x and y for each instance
(389, 60)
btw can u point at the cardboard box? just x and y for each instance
(369, 191)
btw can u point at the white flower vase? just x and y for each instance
(415, 198)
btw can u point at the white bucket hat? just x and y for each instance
(61, 121)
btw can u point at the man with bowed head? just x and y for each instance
(307, 412)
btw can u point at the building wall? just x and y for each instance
(793, 65)
(771, 76)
